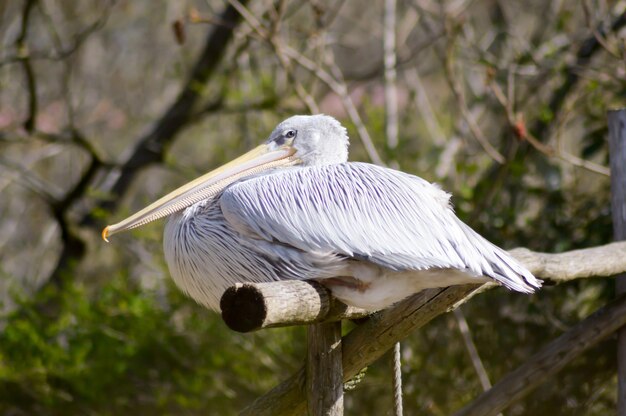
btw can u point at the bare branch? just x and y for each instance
(151, 147)
(24, 176)
(335, 83)
(391, 92)
(587, 49)
(582, 163)
(517, 124)
(404, 59)
(29, 73)
(472, 350)
(424, 107)
(459, 94)
(341, 89)
(60, 52)
(541, 127)
(273, 40)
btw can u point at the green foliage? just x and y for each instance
(123, 349)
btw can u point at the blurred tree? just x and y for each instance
(105, 105)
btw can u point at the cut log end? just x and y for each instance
(252, 306)
(243, 308)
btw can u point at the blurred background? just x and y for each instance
(106, 105)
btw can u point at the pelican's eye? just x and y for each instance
(286, 136)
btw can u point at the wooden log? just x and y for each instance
(324, 372)
(253, 306)
(617, 153)
(549, 360)
(601, 261)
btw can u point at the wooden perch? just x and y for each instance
(381, 330)
(552, 358)
(253, 306)
(600, 261)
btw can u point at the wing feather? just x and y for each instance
(359, 210)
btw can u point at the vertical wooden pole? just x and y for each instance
(324, 370)
(617, 153)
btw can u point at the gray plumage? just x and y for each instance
(373, 235)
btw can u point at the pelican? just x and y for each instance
(295, 208)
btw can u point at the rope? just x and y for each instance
(397, 380)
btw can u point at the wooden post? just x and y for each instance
(324, 370)
(617, 153)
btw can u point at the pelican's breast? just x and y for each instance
(205, 255)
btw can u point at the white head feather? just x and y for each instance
(319, 139)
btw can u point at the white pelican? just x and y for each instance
(294, 208)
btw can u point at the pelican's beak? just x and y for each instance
(257, 160)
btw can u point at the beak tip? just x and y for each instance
(105, 234)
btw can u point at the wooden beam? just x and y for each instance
(601, 261)
(549, 360)
(617, 153)
(253, 306)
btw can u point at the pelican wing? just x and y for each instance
(363, 211)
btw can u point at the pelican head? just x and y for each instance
(316, 140)
(299, 140)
